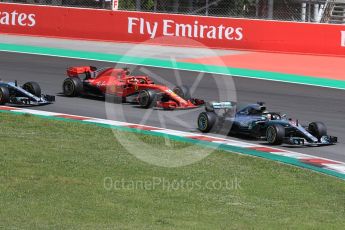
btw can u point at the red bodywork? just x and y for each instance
(120, 83)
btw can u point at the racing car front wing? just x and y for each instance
(325, 140)
(43, 100)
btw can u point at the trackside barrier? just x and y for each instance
(123, 26)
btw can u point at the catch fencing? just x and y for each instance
(284, 10)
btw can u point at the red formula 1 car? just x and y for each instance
(120, 85)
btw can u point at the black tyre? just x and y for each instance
(147, 98)
(275, 134)
(4, 95)
(206, 121)
(33, 88)
(72, 87)
(183, 91)
(317, 129)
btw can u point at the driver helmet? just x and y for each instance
(269, 116)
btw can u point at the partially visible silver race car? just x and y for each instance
(28, 94)
(255, 121)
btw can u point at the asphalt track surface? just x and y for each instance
(306, 103)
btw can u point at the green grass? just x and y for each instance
(52, 175)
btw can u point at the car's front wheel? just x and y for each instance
(317, 129)
(33, 88)
(147, 98)
(183, 92)
(275, 134)
(206, 121)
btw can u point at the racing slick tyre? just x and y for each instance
(33, 88)
(275, 134)
(147, 98)
(206, 121)
(317, 129)
(182, 91)
(72, 87)
(4, 95)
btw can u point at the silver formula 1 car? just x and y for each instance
(255, 121)
(28, 94)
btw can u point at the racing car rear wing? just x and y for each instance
(212, 106)
(75, 71)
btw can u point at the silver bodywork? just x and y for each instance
(19, 96)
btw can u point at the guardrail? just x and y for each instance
(284, 10)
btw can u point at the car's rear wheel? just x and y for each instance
(183, 92)
(206, 121)
(147, 98)
(33, 88)
(275, 134)
(317, 129)
(4, 95)
(72, 87)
